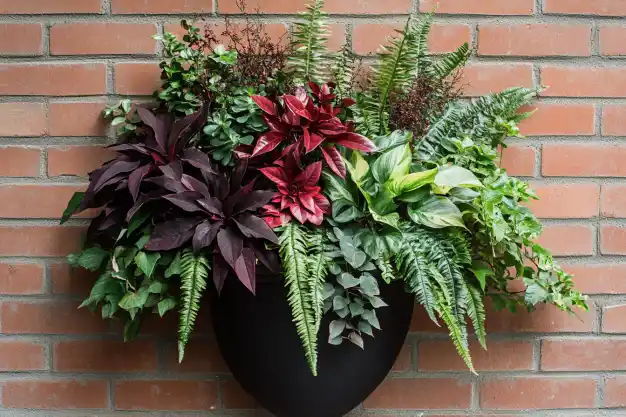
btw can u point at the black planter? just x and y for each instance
(259, 343)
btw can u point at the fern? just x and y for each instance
(419, 44)
(293, 253)
(194, 270)
(476, 312)
(343, 71)
(386, 269)
(475, 120)
(308, 61)
(317, 269)
(450, 62)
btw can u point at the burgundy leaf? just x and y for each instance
(252, 226)
(205, 234)
(310, 176)
(212, 205)
(177, 138)
(143, 199)
(230, 245)
(334, 160)
(193, 184)
(171, 234)
(275, 174)
(267, 142)
(253, 201)
(237, 175)
(296, 106)
(167, 183)
(185, 200)
(198, 159)
(311, 140)
(128, 147)
(298, 213)
(220, 272)
(245, 268)
(266, 257)
(114, 169)
(265, 104)
(157, 124)
(355, 141)
(173, 170)
(322, 202)
(135, 178)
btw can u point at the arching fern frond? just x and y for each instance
(343, 71)
(308, 60)
(194, 270)
(451, 62)
(317, 269)
(298, 280)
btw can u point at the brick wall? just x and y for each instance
(61, 60)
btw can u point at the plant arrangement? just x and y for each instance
(280, 158)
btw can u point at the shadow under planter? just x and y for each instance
(259, 342)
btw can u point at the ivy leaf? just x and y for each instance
(91, 258)
(356, 339)
(174, 268)
(157, 287)
(353, 255)
(372, 319)
(356, 309)
(377, 302)
(366, 328)
(134, 299)
(336, 328)
(146, 261)
(336, 341)
(339, 303)
(329, 290)
(166, 305)
(481, 270)
(347, 280)
(343, 312)
(369, 285)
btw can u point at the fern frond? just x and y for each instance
(451, 62)
(317, 269)
(386, 269)
(194, 270)
(476, 312)
(419, 43)
(308, 60)
(343, 71)
(293, 253)
(475, 120)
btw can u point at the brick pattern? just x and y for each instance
(61, 61)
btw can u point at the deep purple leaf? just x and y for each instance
(173, 170)
(186, 201)
(158, 125)
(167, 183)
(129, 147)
(237, 175)
(205, 234)
(198, 159)
(114, 169)
(193, 184)
(253, 200)
(230, 245)
(253, 226)
(171, 234)
(266, 257)
(245, 268)
(179, 135)
(135, 178)
(220, 272)
(212, 205)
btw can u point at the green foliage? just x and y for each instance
(194, 272)
(343, 71)
(309, 58)
(303, 286)
(123, 117)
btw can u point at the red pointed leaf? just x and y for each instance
(275, 174)
(310, 176)
(265, 104)
(268, 142)
(355, 141)
(296, 106)
(314, 141)
(334, 160)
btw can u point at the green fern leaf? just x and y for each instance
(476, 312)
(308, 60)
(386, 270)
(451, 62)
(343, 71)
(317, 269)
(293, 253)
(419, 43)
(194, 272)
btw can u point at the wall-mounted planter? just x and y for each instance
(259, 343)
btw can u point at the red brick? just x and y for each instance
(584, 160)
(583, 81)
(331, 6)
(613, 319)
(20, 39)
(583, 355)
(614, 120)
(559, 120)
(102, 39)
(519, 160)
(21, 279)
(21, 356)
(404, 360)
(37, 201)
(545, 319)
(487, 7)
(77, 119)
(76, 160)
(430, 393)
(594, 7)
(47, 6)
(566, 240)
(598, 278)
(368, 37)
(53, 79)
(612, 40)
(481, 79)
(441, 355)
(72, 281)
(161, 6)
(105, 356)
(565, 201)
(137, 78)
(19, 162)
(49, 318)
(56, 395)
(613, 200)
(165, 395)
(530, 393)
(534, 40)
(615, 392)
(39, 240)
(200, 356)
(612, 240)
(22, 119)
(234, 397)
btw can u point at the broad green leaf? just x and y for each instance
(369, 285)
(157, 287)
(166, 305)
(146, 261)
(328, 291)
(344, 212)
(353, 255)
(372, 318)
(436, 212)
(134, 299)
(366, 328)
(392, 164)
(481, 270)
(415, 195)
(391, 219)
(174, 268)
(92, 258)
(356, 309)
(377, 302)
(394, 139)
(411, 182)
(358, 167)
(377, 243)
(72, 206)
(339, 303)
(347, 280)
(455, 176)
(138, 220)
(336, 328)
(338, 189)
(356, 339)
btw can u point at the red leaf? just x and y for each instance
(310, 176)
(334, 160)
(347, 102)
(315, 89)
(296, 106)
(311, 141)
(297, 213)
(268, 142)
(275, 174)
(307, 201)
(322, 202)
(265, 104)
(355, 141)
